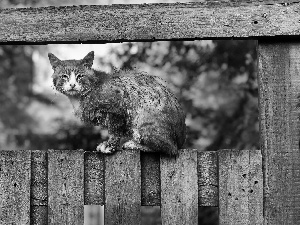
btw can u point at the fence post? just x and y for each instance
(208, 178)
(279, 87)
(39, 188)
(179, 189)
(93, 178)
(15, 172)
(240, 187)
(65, 187)
(123, 188)
(150, 178)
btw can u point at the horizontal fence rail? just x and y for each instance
(39, 186)
(148, 22)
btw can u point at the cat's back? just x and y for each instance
(142, 84)
(147, 91)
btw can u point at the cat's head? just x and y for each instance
(72, 77)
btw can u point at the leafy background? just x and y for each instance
(215, 82)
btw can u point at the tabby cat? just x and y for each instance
(134, 106)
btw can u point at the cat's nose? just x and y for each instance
(72, 85)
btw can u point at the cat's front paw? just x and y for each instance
(132, 145)
(104, 147)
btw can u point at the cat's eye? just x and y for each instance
(79, 76)
(65, 76)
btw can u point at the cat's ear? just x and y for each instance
(88, 60)
(54, 61)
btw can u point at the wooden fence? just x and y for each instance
(59, 182)
(53, 186)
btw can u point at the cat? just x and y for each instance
(132, 105)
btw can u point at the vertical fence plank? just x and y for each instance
(179, 189)
(208, 178)
(39, 188)
(240, 187)
(65, 187)
(123, 188)
(279, 88)
(15, 172)
(150, 178)
(255, 180)
(93, 178)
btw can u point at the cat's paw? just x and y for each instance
(104, 147)
(132, 145)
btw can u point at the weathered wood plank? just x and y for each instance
(15, 172)
(65, 187)
(115, 23)
(208, 178)
(39, 188)
(123, 188)
(255, 180)
(179, 189)
(150, 178)
(240, 187)
(279, 87)
(93, 178)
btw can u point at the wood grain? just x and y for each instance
(93, 178)
(279, 87)
(123, 188)
(240, 187)
(208, 178)
(179, 189)
(65, 187)
(150, 178)
(39, 188)
(148, 22)
(15, 187)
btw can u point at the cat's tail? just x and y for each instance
(159, 143)
(160, 133)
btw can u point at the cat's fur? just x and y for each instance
(129, 104)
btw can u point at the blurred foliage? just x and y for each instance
(15, 91)
(17, 3)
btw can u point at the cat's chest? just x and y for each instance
(76, 104)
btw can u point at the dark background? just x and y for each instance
(215, 82)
